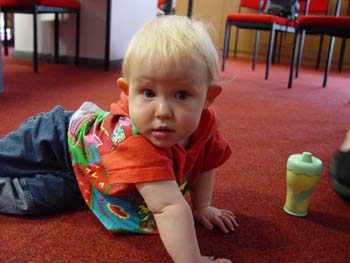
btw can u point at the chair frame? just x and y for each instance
(320, 47)
(343, 45)
(331, 31)
(37, 9)
(271, 27)
(237, 31)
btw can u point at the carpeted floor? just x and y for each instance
(264, 123)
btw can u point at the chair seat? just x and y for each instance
(315, 6)
(55, 3)
(258, 18)
(324, 21)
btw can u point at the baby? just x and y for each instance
(135, 165)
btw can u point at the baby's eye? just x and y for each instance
(148, 93)
(181, 95)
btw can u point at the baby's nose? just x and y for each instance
(163, 110)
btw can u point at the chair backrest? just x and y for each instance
(252, 4)
(315, 6)
(258, 5)
(161, 2)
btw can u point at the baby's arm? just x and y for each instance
(174, 220)
(204, 212)
(345, 147)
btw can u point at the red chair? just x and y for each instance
(343, 44)
(315, 7)
(166, 6)
(266, 22)
(250, 5)
(36, 7)
(334, 26)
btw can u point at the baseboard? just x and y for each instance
(83, 62)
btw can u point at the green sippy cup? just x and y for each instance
(303, 174)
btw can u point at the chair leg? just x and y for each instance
(6, 41)
(77, 39)
(226, 43)
(270, 52)
(236, 44)
(341, 55)
(319, 53)
(280, 47)
(256, 48)
(108, 33)
(329, 61)
(57, 32)
(190, 8)
(292, 63)
(277, 43)
(300, 53)
(35, 39)
(1, 75)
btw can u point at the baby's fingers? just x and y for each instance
(225, 221)
(222, 260)
(230, 219)
(218, 260)
(206, 223)
(220, 222)
(228, 223)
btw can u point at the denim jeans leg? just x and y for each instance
(36, 175)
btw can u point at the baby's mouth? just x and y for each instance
(162, 132)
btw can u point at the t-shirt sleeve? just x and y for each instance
(137, 160)
(216, 152)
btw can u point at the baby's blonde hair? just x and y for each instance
(172, 40)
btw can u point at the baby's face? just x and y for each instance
(165, 104)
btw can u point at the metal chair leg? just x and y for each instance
(300, 53)
(226, 43)
(341, 55)
(319, 53)
(236, 44)
(329, 61)
(270, 52)
(256, 48)
(292, 63)
(57, 32)
(6, 41)
(108, 32)
(77, 39)
(35, 39)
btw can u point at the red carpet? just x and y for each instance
(263, 121)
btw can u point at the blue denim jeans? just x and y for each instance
(36, 175)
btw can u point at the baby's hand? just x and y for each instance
(209, 216)
(218, 260)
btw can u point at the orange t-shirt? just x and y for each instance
(110, 156)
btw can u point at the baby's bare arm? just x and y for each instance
(174, 220)
(346, 143)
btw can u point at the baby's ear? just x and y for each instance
(213, 92)
(123, 85)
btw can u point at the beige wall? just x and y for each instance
(215, 12)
